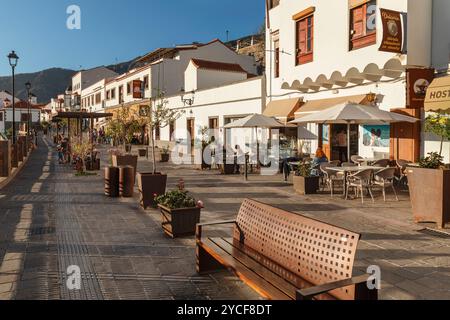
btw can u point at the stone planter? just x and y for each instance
(126, 160)
(150, 184)
(308, 185)
(430, 195)
(179, 222)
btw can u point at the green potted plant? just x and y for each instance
(429, 184)
(157, 115)
(180, 212)
(304, 181)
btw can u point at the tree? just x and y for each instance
(157, 115)
(439, 125)
(123, 126)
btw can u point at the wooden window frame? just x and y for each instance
(146, 82)
(299, 18)
(113, 93)
(172, 129)
(276, 58)
(367, 39)
(129, 88)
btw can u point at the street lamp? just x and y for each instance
(188, 101)
(13, 59)
(28, 87)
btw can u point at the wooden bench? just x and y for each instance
(283, 255)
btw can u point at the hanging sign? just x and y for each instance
(392, 31)
(417, 83)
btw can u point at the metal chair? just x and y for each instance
(402, 165)
(330, 177)
(358, 160)
(335, 163)
(349, 164)
(360, 181)
(383, 163)
(385, 179)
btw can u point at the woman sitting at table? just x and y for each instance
(320, 158)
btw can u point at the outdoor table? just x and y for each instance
(348, 170)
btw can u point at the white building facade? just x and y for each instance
(326, 52)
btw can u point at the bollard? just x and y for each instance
(126, 181)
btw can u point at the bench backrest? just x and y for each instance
(315, 251)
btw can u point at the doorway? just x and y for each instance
(333, 140)
(191, 130)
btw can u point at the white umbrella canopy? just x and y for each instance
(255, 121)
(353, 113)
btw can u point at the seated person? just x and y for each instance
(317, 161)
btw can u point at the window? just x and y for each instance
(113, 93)
(146, 82)
(363, 25)
(129, 88)
(157, 133)
(277, 58)
(1, 116)
(98, 98)
(120, 94)
(172, 131)
(108, 95)
(305, 40)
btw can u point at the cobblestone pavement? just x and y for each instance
(50, 219)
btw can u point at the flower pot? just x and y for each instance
(150, 184)
(128, 148)
(306, 185)
(125, 160)
(429, 191)
(165, 157)
(126, 181)
(228, 168)
(112, 182)
(179, 222)
(142, 152)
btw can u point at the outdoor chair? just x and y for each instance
(360, 181)
(358, 160)
(348, 164)
(383, 163)
(335, 163)
(330, 178)
(402, 165)
(385, 179)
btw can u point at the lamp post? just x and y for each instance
(28, 87)
(13, 59)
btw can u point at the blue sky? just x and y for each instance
(115, 30)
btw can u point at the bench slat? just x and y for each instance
(256, 267)
(263, 287)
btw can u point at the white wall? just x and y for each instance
(441, 34)
(235, 100)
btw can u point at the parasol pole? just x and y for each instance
(348, 141)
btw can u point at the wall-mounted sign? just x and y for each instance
(417, 83)
(137, 89)
(392, 31)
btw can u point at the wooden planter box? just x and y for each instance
(142, 152)
(5, 158)
(179, 222)
(308, 185)
(150, 184)
(165, 157)
(430, 195)
(126, 160)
